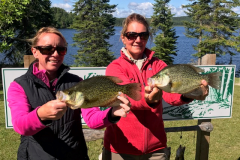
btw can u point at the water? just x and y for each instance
(184, 47)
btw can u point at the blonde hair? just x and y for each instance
(35, 39)
(134, 17)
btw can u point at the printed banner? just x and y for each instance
(218, 104)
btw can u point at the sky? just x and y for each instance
(126, 7)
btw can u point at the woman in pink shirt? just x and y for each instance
(49, 129)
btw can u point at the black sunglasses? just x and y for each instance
(134, 35)
(49, 50)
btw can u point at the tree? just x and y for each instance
(214, 24)
(95, 24)
(62, 19)
(162, 23)
(20, 19)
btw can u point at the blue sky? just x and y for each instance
(126, 7)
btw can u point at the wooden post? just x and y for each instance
(208, 59)
(203, 138)
(28, 59)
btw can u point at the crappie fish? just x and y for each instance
(98, 91)
(180, 153)
(183, 79)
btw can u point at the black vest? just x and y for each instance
(63, 139)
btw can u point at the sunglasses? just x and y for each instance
(134, 35)
(49, 50)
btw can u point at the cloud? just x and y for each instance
(236, 10)
(65, 6)
(177, 11)
(145, 9)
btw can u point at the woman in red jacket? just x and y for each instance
(141, 134)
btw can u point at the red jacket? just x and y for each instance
(142, 131)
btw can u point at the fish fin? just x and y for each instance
(134, 91)
(114, 79)
(197, 69)
(195, 92)
(214, 79)
(115, 103)
(175, 86)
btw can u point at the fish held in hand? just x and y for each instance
(183, 78)
(98, 91)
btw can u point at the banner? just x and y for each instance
(218, 104)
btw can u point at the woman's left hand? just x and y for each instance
(203, 90)
(123, 109)
(152, 94)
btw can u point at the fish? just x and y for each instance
(180, 153)
(183, 79)
(98, 91)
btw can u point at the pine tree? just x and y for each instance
(162, 24)
(214, 24)
(61, 18)
(95, 24)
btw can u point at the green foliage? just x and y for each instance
(214, 24)
(177, 21)
(95, 24)
(61, 18)
(165, 41)
(20, 19)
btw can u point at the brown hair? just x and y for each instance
(134, 17)
(35, 39)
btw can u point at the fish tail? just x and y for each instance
(214, 79)
(134, 91)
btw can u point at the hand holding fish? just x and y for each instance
(52, 110)
(123, 109)
(152, 94)
(199, 94)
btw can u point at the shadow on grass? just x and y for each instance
(1, 97)
(2, 125)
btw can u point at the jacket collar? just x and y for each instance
(147, 52)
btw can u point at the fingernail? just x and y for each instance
(119, 93)
(121, 104)
(118, 97)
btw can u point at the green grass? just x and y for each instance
(224, 139)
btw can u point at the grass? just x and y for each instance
(224, 139)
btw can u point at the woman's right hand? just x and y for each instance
(52, 110)
(152, 94)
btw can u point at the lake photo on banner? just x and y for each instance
(184, 47)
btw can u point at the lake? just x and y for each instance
(184, 47)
